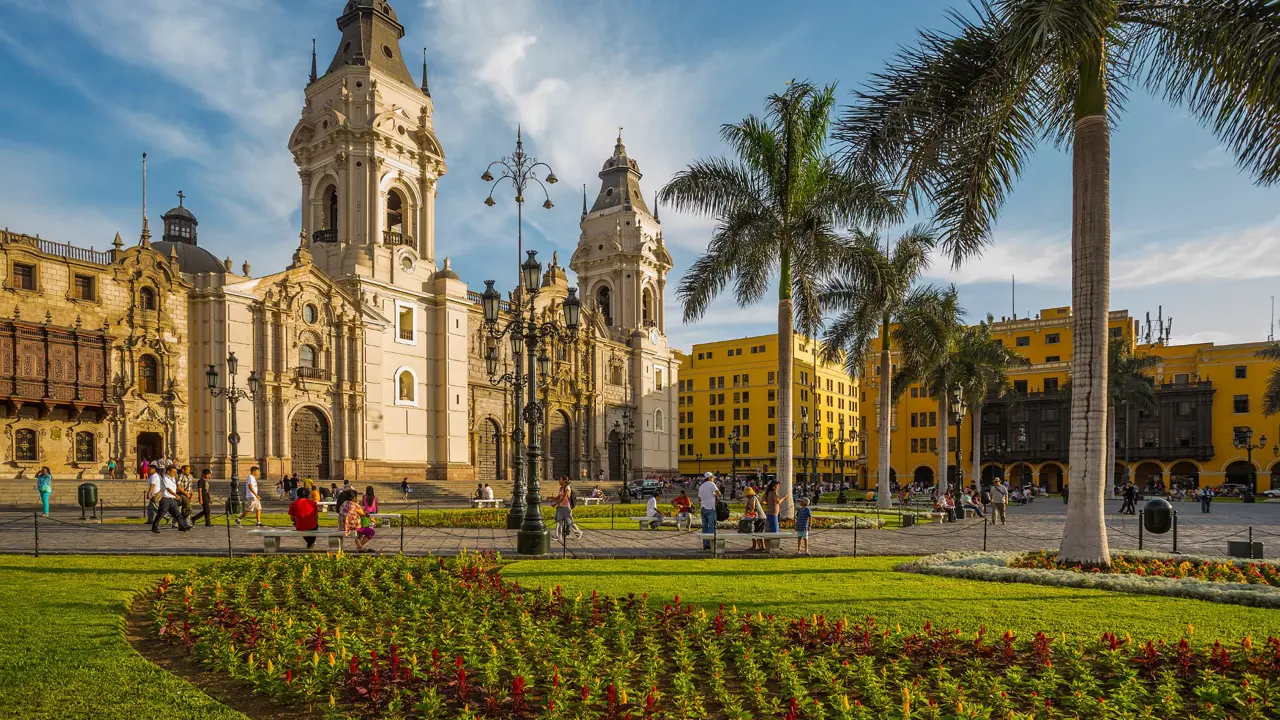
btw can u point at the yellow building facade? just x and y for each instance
(731, 386)
(1204, 394)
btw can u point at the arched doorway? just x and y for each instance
(489, 451)
(1239, 472)
(1148, 474)
(1274, 478)
(1019, 475)
(893, 480)
(1051, 477)
(615, 456)
(1185, 474)
(150, 446)
(559, 449)
(309, 443)
(923, 476)
(991, 473)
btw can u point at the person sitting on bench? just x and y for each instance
(651, 511)
(306, 515)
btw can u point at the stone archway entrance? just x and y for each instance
(150, 446)
(489, 451)
(615, 456)
(309, 443)
(1051, 477)
(559, 449)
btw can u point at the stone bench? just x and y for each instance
(682, 522)
(772, 540)
(494, 503)
(271, 537)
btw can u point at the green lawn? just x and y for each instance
(68, 657)
(858, 587)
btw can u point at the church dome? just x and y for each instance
(180, 226)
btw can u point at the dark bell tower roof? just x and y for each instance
(180, 239)
(371, 35)
(620, 182)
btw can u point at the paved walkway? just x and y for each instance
(1029, 529)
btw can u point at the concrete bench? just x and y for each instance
(593, 501)
(772, 540)
(271, 537)
(494, 503)
(682, 522)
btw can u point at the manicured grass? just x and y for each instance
(857, 587)
(67, 655)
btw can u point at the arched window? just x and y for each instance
(149, 375)
(603, 305)
(658, 422)
(646, 307)
(86, 447)
(26, 447)
(395, 212)
(331, 208)
(406, 387)
(307, 357)
(147, 298)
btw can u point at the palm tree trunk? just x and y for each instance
(786, 347)
(1084, 537)
(944, 480)
(1111, 452)
(884, 497)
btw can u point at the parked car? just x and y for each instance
(1229, 490)
(646, 488)
(1273, 494)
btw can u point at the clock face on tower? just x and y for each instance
(653, 335)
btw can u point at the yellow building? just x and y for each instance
(731, 387)
(1204, 394)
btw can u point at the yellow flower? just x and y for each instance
(844, 703)
(315, 658)
(250, 659)
(622, 696)
(1191, 629)
(332, 662)
(271, 668)
(906, 703)
(332, 702)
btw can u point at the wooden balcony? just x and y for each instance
(308, 373)
(325, 236)
(53, 367)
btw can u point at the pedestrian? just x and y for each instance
(293, 485)
(708, 493)
(772, 504)
(202, 497)
(44, 486)
(252, 500)
(1206, 499)
(802, 526)
(144, 470)
(111, 469)
(169, 502)
(353, 519)
(152, 494)
(1065, 491)
(186, 491)
(404, 488)
(999, 501)
(564, 510)
(306, 516)
(369, 502)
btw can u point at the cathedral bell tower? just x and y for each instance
(621, 261)
(367, 155)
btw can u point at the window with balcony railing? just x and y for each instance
(325, 236)
(396, 238)
(312, 373)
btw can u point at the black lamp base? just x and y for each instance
(533, 543)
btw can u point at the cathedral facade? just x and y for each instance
(368, 351)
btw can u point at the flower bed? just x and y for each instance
(1186, 576)
(427, 638)
(1249, 572)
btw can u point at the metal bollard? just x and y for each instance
(35, 520)
(1140, 529)
(984, 536)
(401, 536)
(1250, 542)
(227, 514)
(1175, 532)
(855, 536)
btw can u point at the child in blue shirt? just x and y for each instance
(802, 526)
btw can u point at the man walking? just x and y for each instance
(169, 502)
(152, 495)
(708, 494)
(202, 497)
(999, 500)
(1130, 495)
(252, 500)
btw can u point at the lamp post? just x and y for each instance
(840, 441)
(861, 461)
(957, 412)
(233, 395)
(806, 437)
(1244, 440)
(698, 457)
(520, 170)
(831, 449)
(627, 435)
(534, 337)
(734, 442)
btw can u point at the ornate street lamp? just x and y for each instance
(529, 340)
(840, 441)
(957, 414)
(233, 395)
(521, 170)
(626, 436)
(735, 441)
(1243, 440)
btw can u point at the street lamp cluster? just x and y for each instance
(835, 441)
(233, 395)
(1243, 440)
(529, 341)
(626, 435)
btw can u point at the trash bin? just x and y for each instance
(1157, 516)
(87, 499)
(908, 521)
(959, 512)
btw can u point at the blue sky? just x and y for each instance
(212, 90)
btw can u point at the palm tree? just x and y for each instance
(929, 336)
(777, 207)
(869, 305)
(1128, 385)
(1271, 396)
(954, 118)
(981, 362)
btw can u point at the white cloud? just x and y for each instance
(1032, 258)
(1245, 254)
(1212, 158)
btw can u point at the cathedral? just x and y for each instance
(368, 350)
